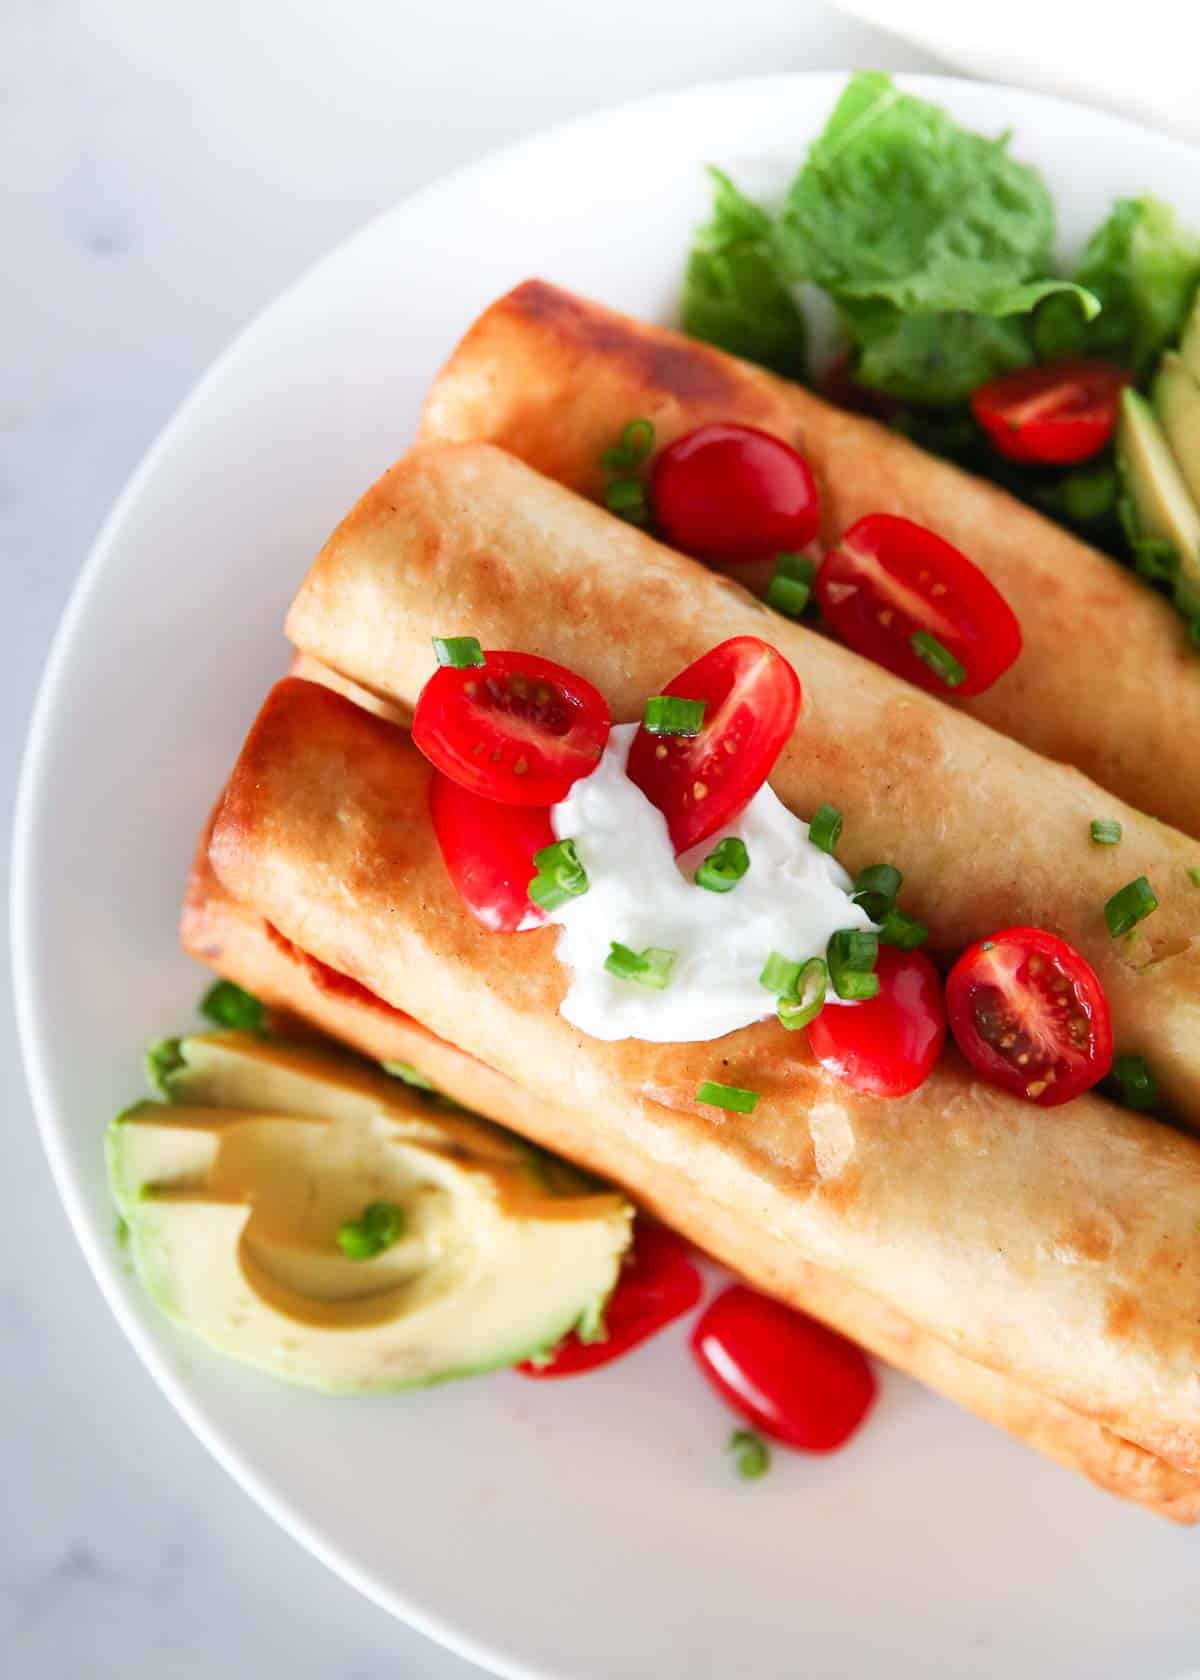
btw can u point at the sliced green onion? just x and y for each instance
(1138, 1086)
(1193, 876)
(632, 448)
(875, 889)
(851, 956)
(938, 658)
(902, 931)
(791, 584)
(627, 499)
(751, 1455)
(715, 1095)
(667, 714)
(560, 875)
(459, 652)
(825, 829)
(807, 998)
(378, 1226)
(1106, 832)
(163, 1058)
(1125, 909)
(227, 1005)
(724, 866)
(409, 1074)
(780, 975)
(651, 967)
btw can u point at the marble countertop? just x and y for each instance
(164, 171)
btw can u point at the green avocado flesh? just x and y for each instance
(1177, 404)
(1164, 504)
(234, 1191)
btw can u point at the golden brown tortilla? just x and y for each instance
(1106, 681)
(465, 539)
(1061, 1249)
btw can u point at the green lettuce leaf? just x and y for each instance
(932, 358)
(1145, 269)
(734, 295)
(896, 202)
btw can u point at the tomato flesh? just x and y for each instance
(732, 494)
(889, 578)
(1030, 1015)
(517, 728)
(658, 1284)
(889, 1044)
(701, 782)
(791, 1377)
(1057, 415)
(488, 852)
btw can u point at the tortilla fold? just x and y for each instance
(241, 946)
(1106, 681)
(463, 538)
(1061, 1250)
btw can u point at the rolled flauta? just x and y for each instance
(1062, 1250)
(241, 946)
(1106, 681)
(465, 539)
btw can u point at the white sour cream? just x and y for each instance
(791, 899)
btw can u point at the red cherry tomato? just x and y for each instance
(888, 578)
(1030, 1015)
(701, 782)
(488, 852)
(888, 1044)
(733, 494)
(793, 1378)
(658, 1283)
(516, 728)
(1058, 414)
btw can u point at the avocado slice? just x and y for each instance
(234, 1209)
(1163, 503)
(1177, 404)
(1189, 344)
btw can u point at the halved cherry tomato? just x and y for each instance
(701, 782)
(1057, 414)
(888, 1044)
(1030, 1015)
(889, 578)
(733, 494)
(517, 728)
(793, 1378)
(488, 852)
(658, 1283)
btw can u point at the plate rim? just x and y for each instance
(35, 1057)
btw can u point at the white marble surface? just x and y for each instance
(164, 170)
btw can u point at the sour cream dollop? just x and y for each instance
(791, 899)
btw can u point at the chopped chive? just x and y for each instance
(409, 1074)
(715, 1095)
(1106, 832)
(378, 1226)
(791, 584)
(163, 1059)
(560, 875)
(1193, 876)
(651, 967)
(902, 931)
(825, 829)
(724, 866)
(780, 975)
(458, 652)
(875, 889)
(1138, 1086)
(938, 658)
(751, 1455)
(851, 956)
(632, 448)
(627, 499)
(227, 1005)
(668, 714)
(1125, 909)
(807, 998)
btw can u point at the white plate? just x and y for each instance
(589, 1529)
